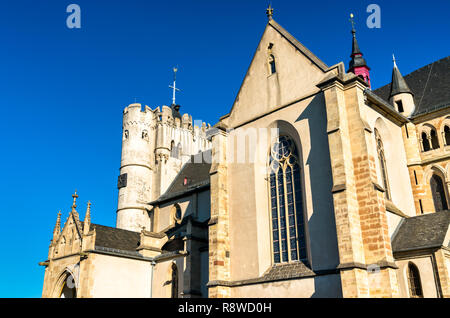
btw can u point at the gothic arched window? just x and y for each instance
(415, 286)
(383, 166)
(288, 233)
(174, 281)
(425, 142)
(447, 135)
(438, 193)
(434, 139)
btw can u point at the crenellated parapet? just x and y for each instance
(155, 144)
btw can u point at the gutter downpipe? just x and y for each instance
(153, 263)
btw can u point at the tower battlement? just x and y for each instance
(155, 145)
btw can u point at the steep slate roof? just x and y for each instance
(398, 83)
(423, 231)
(196, 170)
(114, 238)
(430, 86)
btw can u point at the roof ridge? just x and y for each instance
(428, 214)
(114, 228)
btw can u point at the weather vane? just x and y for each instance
(352, 21)
(174, 86)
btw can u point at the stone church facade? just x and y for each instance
(347, 198)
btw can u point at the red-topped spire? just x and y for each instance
(358, 65)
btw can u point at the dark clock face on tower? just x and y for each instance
(122, 181)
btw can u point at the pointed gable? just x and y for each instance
(69, 241)
(281, 72)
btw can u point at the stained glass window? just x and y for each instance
(288, 235)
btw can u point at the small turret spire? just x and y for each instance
(358, 65)
(269, 11)
(87, 219)
(57, 229)
(398, 84)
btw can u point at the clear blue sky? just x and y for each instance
(62, 91)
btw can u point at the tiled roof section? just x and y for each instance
(285, 271)
(419, 232)
(430, 86)
(114, 238)
(197, 173)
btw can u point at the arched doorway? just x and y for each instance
(67, 287)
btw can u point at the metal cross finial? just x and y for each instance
(269, 11)
(352, 22)
(174, 86)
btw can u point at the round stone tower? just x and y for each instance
(136, 168)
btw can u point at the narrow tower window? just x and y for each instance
(438, 193)
(425, 142)
(415, 286)
(434, 139)
(288, 234)
(399, 106)
(272, 66)
(172, 149)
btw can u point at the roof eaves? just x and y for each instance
(193, 188)
(386, 107)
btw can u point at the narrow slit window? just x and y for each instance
(383, 166)
(399, 106)
(272, 64)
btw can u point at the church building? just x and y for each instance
(313, 185)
